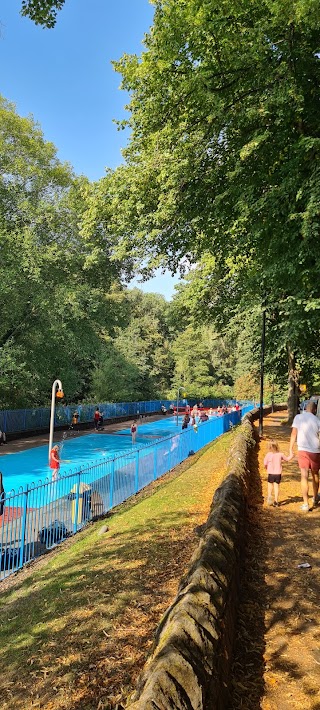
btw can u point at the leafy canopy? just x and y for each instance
(42, 12)
(223, 164)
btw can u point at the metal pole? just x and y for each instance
(178, 407)
(111, 484)
(263, 339)
(76, 505)
(272, 396)
(53, 405)
(136, 477)
(23, 526)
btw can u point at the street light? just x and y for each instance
(179, 388)
(55, 393)
(272, 395)
(263, 341)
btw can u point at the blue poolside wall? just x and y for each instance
(105, 471)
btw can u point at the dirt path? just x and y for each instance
(277, 663)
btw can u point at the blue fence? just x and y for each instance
(42, 515)
(20, 420)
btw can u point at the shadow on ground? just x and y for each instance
(80, 632)
(247, 684)
(277, 656)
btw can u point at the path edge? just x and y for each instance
(189, 665)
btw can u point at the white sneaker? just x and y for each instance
(269, 500)
(305, 507)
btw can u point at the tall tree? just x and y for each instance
(55, 298)
(223, 156)
(140, 349)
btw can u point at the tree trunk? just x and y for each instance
(293, 386)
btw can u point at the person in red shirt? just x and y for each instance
(96, 418)
(54, 462)
(134, 429)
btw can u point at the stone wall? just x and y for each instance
(191, 658)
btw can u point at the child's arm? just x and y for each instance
(286, 458)
(266, 460)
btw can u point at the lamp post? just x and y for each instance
(272, 395)
(263, 339)
(55, 393)
(179, 388)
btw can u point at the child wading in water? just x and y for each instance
(134, 429)
(273, 464)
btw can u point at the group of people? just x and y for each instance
(305, 435)
(194, 417)
(227, 409)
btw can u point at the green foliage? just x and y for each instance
(55, 298)
(222, 167)
(138, 364)
(42, 12)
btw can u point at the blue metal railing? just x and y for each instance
(20, 420)
(42, 515)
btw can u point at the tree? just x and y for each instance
(116, 378)
(42, 12)
(223, 155)
(55, 298)
(139, 362)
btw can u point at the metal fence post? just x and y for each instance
(155, 461)
(75, 522)
(111, 484)
(23, 525)
(169, 455)
(136, 478)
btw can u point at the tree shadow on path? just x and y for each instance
(277, 657)
(248, 665)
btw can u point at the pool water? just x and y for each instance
(31, 466)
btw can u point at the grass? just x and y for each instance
(76, 628)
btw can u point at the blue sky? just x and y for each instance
(64, 78)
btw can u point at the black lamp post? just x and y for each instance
(263, 340)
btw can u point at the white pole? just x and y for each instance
(53, 405)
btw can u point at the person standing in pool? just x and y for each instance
(55, 462)
(96, 418)
(2, 494)
(185, 422)
(134, 429)
(75, 420)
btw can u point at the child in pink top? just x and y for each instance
(273, 464)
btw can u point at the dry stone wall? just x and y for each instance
(190, 663)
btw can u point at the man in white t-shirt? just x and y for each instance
(305, 431)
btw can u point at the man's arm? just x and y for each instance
(293, 439)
